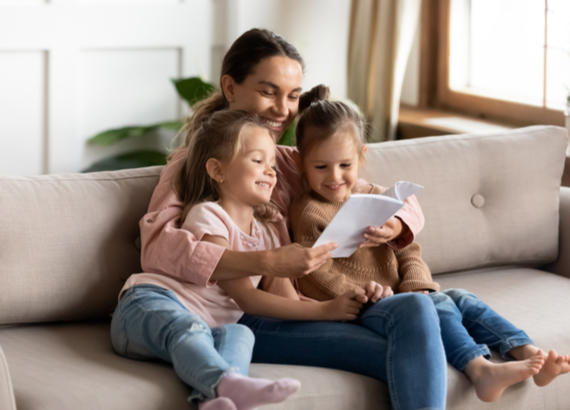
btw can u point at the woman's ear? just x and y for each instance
(364, 149)
(215, 170)
(228, 87)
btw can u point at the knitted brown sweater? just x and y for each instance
(402, 269)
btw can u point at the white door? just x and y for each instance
(72, 68)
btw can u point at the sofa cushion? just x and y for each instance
(72, 366)
(487, 199)
(535, 301)
(68, 242)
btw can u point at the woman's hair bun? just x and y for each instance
(317, 93)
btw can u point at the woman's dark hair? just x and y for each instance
(239, 61)
(217, 137)
(320, 118)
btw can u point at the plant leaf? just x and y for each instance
(193, 89)
(288, 137)
(173, 125)
(132, 159)
(112, 136)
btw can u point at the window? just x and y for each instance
(508, 59)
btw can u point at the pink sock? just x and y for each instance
(219, 403)
(248, 392)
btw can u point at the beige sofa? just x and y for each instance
(497, 223)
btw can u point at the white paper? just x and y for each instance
(361, 211)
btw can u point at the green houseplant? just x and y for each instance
(191, 90)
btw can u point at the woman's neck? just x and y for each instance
(241, 214)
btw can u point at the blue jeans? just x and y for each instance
(469, 327)
(396, 340)
(150, 323)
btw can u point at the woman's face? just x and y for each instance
(272, 91)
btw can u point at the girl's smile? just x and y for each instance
(331, 166)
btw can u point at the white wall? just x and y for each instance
(72, 68)
(318, 28)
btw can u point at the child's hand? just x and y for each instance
(294, 260)
(375, 291)
(376, 236)
(344, 307)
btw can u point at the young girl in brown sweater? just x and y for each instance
(330, 143)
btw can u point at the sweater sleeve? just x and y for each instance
(410, 214)
(167, 249)
(307, 225)
(414, 272)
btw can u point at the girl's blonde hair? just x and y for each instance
(217, 137)
(321, 118)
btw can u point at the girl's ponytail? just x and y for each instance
(317, 93)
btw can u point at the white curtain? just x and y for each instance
(381, 37)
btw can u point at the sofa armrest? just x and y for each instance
(562, 264)
(7, 400)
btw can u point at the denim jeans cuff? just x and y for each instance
(461, 362)
(511, 343)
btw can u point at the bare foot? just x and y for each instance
(554, 366)
(491, 379)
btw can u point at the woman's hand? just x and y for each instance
(375, 291)
(376, 236)
(344, 307)
(294, 260)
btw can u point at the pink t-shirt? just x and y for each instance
(211, 302)
(169, 250)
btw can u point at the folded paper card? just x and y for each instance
(361, 211)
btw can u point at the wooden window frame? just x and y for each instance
(434, 78)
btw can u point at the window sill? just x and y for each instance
(416, 122)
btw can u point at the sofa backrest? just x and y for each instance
(487, 199)
(68, 242)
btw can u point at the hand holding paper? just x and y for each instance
(361, 211)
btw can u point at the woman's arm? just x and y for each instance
(291, 260)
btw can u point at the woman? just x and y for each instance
(396, 340)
